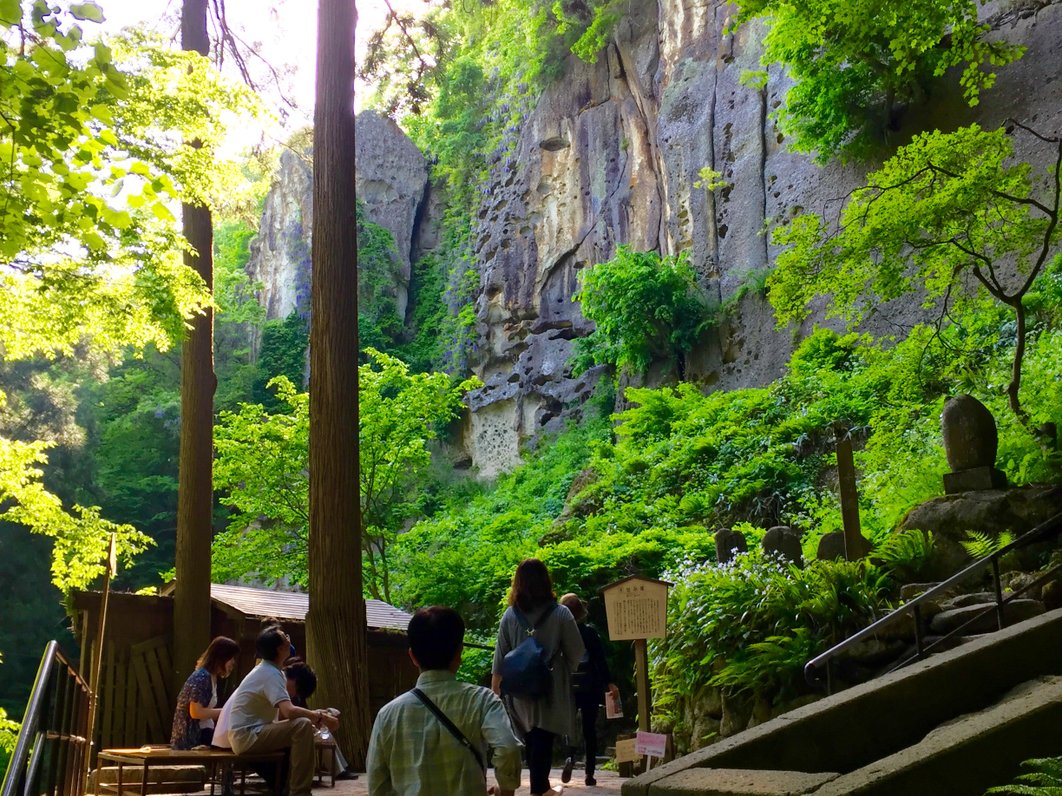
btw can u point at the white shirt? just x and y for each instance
(221, 727)
(253, 705)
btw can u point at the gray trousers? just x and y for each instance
(295, 735)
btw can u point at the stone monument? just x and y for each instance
(970, 442)
(729, 543)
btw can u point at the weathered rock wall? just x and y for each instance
(611, 156)
(392, 181)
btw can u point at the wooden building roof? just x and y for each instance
(291, 606)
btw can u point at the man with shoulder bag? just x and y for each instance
(434, 739)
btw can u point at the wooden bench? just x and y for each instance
(145, 757)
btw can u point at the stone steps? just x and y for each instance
(956, 723)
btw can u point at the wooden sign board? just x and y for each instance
(636, 608)
(625, 751)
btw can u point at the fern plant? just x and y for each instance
(1043, 779)
(982, 545)
(903, 555)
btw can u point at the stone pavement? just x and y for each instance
(607, 782)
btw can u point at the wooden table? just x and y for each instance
(145, 757)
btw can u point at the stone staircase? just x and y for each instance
(954, 724)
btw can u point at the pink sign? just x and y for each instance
(653, 744)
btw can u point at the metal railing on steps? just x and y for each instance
(1041, 533)
(52, 749)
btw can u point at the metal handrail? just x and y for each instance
(1040, 533)
(52, 749)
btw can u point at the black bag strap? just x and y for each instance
(449, 725)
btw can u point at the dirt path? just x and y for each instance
(607, 782)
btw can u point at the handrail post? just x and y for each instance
(999, 593)
(920, 642)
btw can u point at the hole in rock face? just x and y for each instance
(554, 143)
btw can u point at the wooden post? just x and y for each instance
(641, 674)
(97, 662)
(854, 544)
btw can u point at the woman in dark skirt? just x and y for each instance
(533, 604)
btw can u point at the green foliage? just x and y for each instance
(1044, 778)
(379, 325)
(858, 64)
(904, 554)
(430, 316)
(32, 613)
(593, 37)
(263, 460)
(686, 460)
(81, 536)
(238, 312)
(8, 738)
(282, 354)
(96, 147)
(644, 306)
(982, 545)
(750, 625)
(944, 208)
(464, 554)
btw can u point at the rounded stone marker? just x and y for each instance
(970, 438)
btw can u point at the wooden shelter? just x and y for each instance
(137, 688)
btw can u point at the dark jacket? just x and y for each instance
(594, 665)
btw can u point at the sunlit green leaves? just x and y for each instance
(86, 11)
(97, 150)
(263, 461)
(946, 207)
(81, 539)
(643, 306)
(858, 65)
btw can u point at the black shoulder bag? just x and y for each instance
(449, 725)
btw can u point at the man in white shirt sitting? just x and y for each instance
(247, 723)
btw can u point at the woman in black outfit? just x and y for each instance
(590, 682)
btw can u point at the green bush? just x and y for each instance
(464, 555)
(858, 65)
(750, 625)
(644, 307)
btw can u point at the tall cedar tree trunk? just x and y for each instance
(191, 607)
(335, 625)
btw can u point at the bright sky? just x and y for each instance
(283, 32)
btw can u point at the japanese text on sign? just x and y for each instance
(636, 609)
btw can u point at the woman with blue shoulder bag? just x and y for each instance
(538, 649)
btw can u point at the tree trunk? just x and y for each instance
(335, 625)
(1015, 370)
(195, 494)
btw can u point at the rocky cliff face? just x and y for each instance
(610, 156)
(392, 182)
